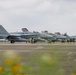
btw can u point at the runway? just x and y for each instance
(20, 46)
(30, 46)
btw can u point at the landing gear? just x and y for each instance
(12, 41)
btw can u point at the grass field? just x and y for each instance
(51, 59)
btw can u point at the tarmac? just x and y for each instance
(18, 46)
(29, 46)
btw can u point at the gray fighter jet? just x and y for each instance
(16, 36)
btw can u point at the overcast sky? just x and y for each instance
(39, 15)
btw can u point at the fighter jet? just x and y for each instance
(64, 38)
(49, 37)
(16, 36)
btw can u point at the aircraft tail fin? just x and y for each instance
(25, 30)
(3, 32)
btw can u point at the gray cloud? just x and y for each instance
(51, 15)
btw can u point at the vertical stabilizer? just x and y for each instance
(25, 30)
(3, 32)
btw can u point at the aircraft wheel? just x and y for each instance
(12, 41)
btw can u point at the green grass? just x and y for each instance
(49, 60)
